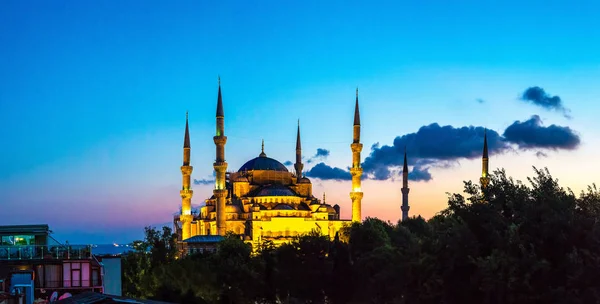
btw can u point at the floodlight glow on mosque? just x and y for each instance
(263, 200)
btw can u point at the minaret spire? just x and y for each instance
(220, 166)
(186, 137)
(298, 165)
(356, 171)
(220, 112)
(186, 192)
(356, 111)
(405, 207)
(485, 179)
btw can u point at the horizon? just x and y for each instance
(93, 102)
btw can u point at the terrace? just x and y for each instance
(45, 252)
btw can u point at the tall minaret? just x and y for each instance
(405, 207)
(356, 171)
(298, 165)
(220, 166)
(186, 190)
(485, 179)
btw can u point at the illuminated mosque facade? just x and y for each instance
(263, 201)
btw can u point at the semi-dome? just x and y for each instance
(263, 163)
(283, 207)
(274, 190)
(303, 206)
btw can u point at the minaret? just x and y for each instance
(220, 166)
(405, 207)
(186, 192)
(298, 165)
(485, 179)
(356, 171)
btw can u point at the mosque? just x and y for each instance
(263, 201)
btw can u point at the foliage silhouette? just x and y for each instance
(507, 243)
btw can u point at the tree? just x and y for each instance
(511, 242)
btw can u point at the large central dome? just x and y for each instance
(263, 163)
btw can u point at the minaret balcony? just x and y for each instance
(356, 147)
(220, 165)
(356, 171)
(187, 170)
(220, 192)
(356, 195)
(220, 140)
(186, 193)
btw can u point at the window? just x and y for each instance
(14, 240)
(76, 274)
(95, 277)
(52, 276)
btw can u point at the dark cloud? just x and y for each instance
(323, 171)
(288, 163)
(419, 174)
(531, 134)
(541, 154)
(539, 97)
(204, 181)
(320, 155)
(430, 144)
(322, 152)
(435, 146)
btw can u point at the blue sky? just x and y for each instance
(93, 95)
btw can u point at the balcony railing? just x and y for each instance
(70, 284)
(45, 252)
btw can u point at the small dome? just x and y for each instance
(263, 163)
(304, 180)
(283, 207)
(326, 208)
(232, 209)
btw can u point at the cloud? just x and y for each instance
(204, 181)
(531, 134)
(288, 163)
(435, 146)
(539, 97)
(429, 146)
(419, 174)
(320, 155)
(323, 171)
(322, 152)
